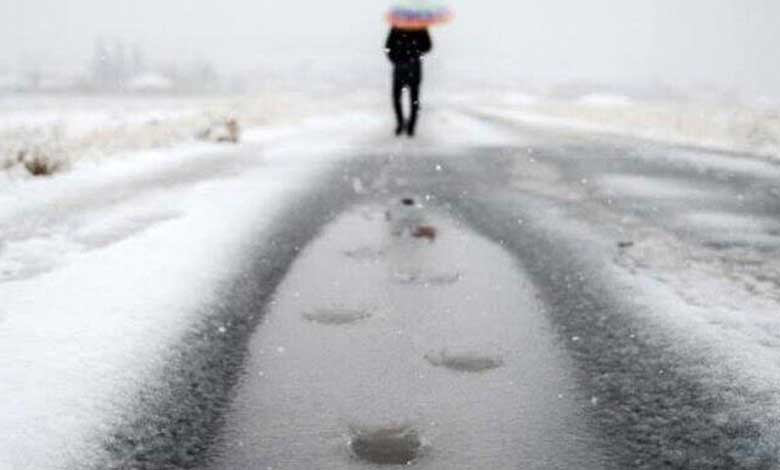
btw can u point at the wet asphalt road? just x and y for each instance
(501, 343)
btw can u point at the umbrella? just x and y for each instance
(418, 14)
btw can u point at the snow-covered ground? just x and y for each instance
(71, 130)
(696, 255)
(98, 264)
(722, 126)
(98, 268)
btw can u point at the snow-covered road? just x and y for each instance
(250, 309)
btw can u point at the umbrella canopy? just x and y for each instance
(418, 14)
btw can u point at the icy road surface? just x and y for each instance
(568, 302)
(446, 340)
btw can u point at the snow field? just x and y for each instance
(730, 128)
(68, 130)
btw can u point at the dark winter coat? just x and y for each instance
(406, 46)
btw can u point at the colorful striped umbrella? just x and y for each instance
(418, 14)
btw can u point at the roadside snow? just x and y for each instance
(101, 269)
(69, 130)
(701, 271)
(720, 127)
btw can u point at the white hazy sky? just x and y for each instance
(726, 43)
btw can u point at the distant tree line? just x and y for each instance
(115, 67)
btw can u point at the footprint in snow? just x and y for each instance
(469, 362)
(336, 317)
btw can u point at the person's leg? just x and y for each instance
(414, 96)
(398, 88)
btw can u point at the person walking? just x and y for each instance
(405, 48)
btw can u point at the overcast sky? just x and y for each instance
(727, 43)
